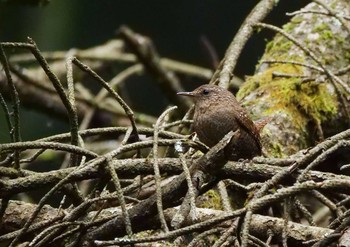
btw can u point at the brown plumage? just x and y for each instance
(216, 113)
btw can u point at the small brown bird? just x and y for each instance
(216, 113)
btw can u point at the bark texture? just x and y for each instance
(310, 105)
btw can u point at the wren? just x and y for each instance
(216, 113)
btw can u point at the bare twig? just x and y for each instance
(123, 104)
(157, 177)
(72, 115)
(15, 132)
(257, 14)
(146, 53)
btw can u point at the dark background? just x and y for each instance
(176, 27)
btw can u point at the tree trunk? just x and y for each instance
(307, 104)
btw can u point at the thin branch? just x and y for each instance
(146, 53)
(103, 83)
(121, 199)
(71, 97)
(71, 110)
(8, 147)
(15, 132)
(260, 11)
(157, 177)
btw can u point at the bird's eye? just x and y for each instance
(205, 91)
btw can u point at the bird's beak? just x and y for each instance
(191, 94)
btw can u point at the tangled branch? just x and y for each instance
(120, 182)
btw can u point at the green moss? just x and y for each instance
(269, 45)
(347, 55)
(320, 28)
(297, 20)
(317, 102)
(333, 5)
(212, 201)
(279, 49)
(290, 26)
(340, 40)
(249, 86)
(327, 35)
(275, 150)
(279, 46)
(303, 101)
(263, 79)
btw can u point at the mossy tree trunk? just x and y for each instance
(307, 103)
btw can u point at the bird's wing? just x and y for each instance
(260, 124)
(245, 121)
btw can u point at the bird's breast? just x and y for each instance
(211, 125)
